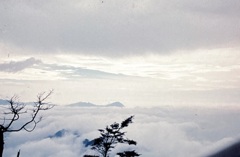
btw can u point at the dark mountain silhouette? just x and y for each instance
(230, 151)
(62, 133)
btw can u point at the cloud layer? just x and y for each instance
(162, 131)
(119, 28)
(16, 66)
(209, 78)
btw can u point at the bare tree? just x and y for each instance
(15, 111)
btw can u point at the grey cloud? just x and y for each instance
(119, 28)
(72, 72)
(65, 71)
(15, 66)
(221, 8)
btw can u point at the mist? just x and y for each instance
(159, 131)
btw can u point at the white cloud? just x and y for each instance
(177, 53)
(202, 78)
(162, 131)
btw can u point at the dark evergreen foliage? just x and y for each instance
(111, 136)
(128, 154)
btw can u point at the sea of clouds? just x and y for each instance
(159, 131)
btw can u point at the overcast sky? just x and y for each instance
(139, 52)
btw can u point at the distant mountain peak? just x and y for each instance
(62, 133)
(83, 104)
(59, 133)
(115, 104)
(88, 104)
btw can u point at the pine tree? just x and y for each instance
(111, 136)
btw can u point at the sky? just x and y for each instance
(139, 52)
(160, 131)
(175, 65)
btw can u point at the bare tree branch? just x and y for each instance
(16, 109)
